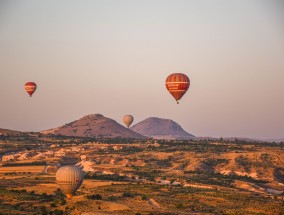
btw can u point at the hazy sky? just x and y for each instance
(112, 57)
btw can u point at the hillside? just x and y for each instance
(95, 125)
(6, 132)
(161, 129)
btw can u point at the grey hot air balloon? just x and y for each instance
(69, 178)
(128, 119)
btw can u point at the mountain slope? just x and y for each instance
(161, 129)
(6, 132)
(95, 125)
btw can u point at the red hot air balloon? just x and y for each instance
(177, 84)
(30, 87)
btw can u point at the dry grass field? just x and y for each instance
(21, 169)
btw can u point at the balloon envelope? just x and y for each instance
(69, 178)
(177, 84)
(128, 119)
(30, 87)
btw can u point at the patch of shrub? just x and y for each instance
(179, 206)
(111, 198)
(95, 196)
(126, 194)
(144, 197)
(58, 212)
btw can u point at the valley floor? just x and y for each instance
(164, 177)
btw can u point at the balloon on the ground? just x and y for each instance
(177, 84)
(69, 178)
(30, 87)
(128, 119)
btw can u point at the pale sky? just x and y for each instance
(113, 56)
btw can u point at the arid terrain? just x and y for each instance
(140, 107)
(125, 176)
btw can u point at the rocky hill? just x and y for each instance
(95, 125)
(161, 129)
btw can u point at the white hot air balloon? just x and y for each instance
(128, 119)
(69, 178)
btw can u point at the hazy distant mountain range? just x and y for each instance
(241, 139)
(98, 126)
(278, 140)
(158, 128)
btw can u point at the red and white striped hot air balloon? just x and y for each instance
(177, 84)
(30, 87)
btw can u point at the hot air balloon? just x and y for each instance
(177, 84)
(69, 178)
(128, 119)
(30, 87)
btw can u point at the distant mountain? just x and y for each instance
(161, 129)
(95, 125)
(6, 132)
